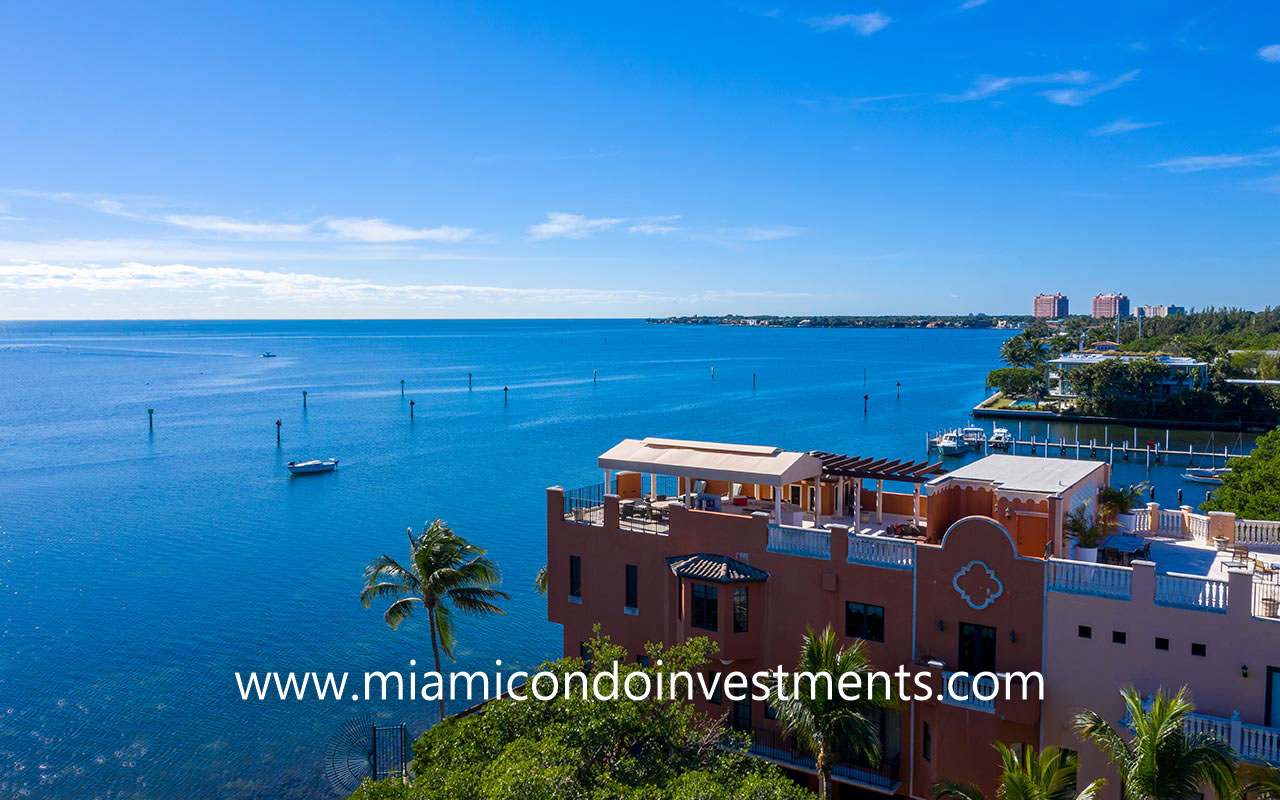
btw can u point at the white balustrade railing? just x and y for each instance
(1202, 723)
(1169, 522)
(1257, 532)
(793, 541)
(957, 690)
(1198, 528)
(1141, 520)
(1191, 591)
(882, 551)
(1259, 743)
(1099, 580)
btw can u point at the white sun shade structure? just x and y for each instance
(735, 463)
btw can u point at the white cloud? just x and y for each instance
(968, 4)
(215, 224)
(1123, 125)
(862, 24)
(769, 234)
(1219, 161)
(560, 225)
(379, 230)
(653, 226)
(1270, 53)
(1078, 97)
(990, 85)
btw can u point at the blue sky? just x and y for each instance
(631, 159)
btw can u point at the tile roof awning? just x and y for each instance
(835, 465)
(715, 568)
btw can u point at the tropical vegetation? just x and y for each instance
(1048, 774)
(445, 573)
(570, 748)
(1161, 760)
(831, 727)
(1088, 529)
(1251, 490)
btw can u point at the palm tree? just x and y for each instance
(1162, 761)
(1049, 774)
(1261, 781)
(830, 726)
(445, 573)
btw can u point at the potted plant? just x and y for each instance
(1088, 530)
(1115, 504)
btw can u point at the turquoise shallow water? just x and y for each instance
(139, 571)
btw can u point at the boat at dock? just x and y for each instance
(1000, 439)
(317, 465)
(952, 443)
(974, 437)
(268, 354)
(1206, 474)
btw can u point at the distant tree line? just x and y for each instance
(887, 321)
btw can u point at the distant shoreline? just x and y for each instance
(1009, 322)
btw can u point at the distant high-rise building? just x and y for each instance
(1110, 306)
(1049, 306)
(1160, 311)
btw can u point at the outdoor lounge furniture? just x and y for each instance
(1123, 549)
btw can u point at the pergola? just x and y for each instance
(842, 468)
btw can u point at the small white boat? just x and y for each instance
(952, 443)
(268, 354)
(304, 467)
(975, 437)
(1000, 439)
(1206, 474)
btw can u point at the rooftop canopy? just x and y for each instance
(887, 469)
(716, 568)
(739, 463)
(1049, 476)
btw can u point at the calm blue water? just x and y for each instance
(139, 571)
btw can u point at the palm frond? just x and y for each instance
(540, 581)
(399, 611)
(954, 790)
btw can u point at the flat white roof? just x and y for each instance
(712, 461)
(1095, 358)
(1023, 473)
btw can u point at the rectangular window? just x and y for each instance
(977, 648)
(584, 652)
(642, 659)
(864, 621)
(1162, 643)
(1272, 718)
(742, 715)
(575, 576)
(926, 743)
(1118, 637)
(740, 609)
(795, 495)
(714, 695)
(1198, 649)
(633, 587)
(1084, 632)
(706, 607)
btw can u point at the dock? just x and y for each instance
(1154, 452)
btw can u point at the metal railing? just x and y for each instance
(1098, 580)
(1191, 591)
(1257, 532)
(1266, 597)
(578, 503)
(957, 690)
(775, 747)
(793, 541)
(643, 520)
(881, 551)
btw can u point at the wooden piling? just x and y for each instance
(504, 394)
(277, 431)
(151, 414)
(304, 399)
(402, 387)
(411, 404)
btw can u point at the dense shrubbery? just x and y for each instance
(1251, 490)
(575, 749)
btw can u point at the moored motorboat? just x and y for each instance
(1000, 439)
(974, 437)
(1206, 474)
(316, 465)
(951, 443)
(268, 354)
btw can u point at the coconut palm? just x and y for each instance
(830, 726)
(445, 573)
(1049, 774)
(1162, 761)
(1261, 781)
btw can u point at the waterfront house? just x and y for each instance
(1181, 373)
(749, 545)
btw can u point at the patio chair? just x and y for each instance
(1240, 554)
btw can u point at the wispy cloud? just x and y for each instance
(968, 4)
(1123, 125)
(379, 230)
(1219, 161)
(991, 85)
(1270, 53)
(653, 226)
(216, 224)
(561, 225)
(862, 24)
(1080, 96)
(770, 234)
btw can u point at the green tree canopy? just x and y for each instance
(575, 749)
(1251, 490)
(1017, 381)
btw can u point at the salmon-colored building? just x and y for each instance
(750, 545)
